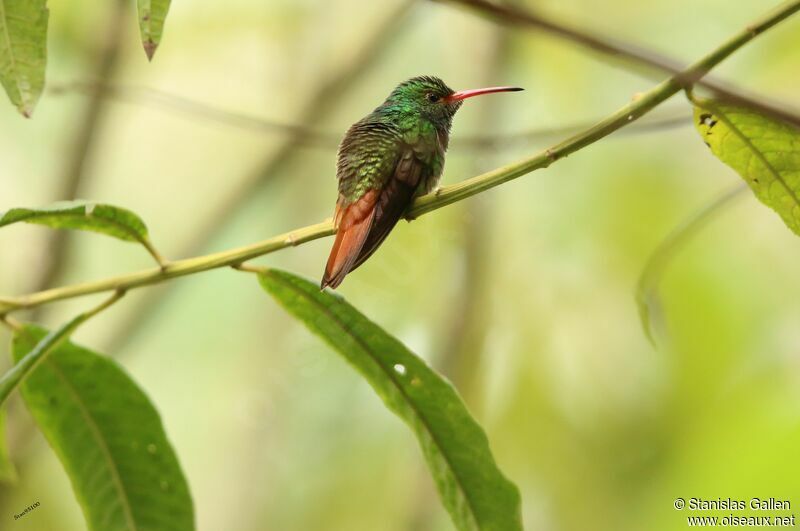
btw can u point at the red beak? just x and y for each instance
(464, 94)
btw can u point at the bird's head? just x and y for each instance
(430, 98)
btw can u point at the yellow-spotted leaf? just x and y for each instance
(152, 14)
(765, 152)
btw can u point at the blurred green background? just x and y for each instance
(522, 295)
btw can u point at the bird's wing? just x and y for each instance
(364, 224)
(392, 202)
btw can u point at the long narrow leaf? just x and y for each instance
(647, 298)
(109, 438)
(23, 51)
(474, 491)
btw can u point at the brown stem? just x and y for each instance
(631, 54)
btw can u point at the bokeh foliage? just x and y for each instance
(599, 430)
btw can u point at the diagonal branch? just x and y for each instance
(425, 204)
(631, 53)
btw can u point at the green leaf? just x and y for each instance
(36, 355)
(765, 152)
(109, 438)
(81, 215)
(8, 473)
(474, 491)
(23, 51)
(152, 14)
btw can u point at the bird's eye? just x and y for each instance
(431, 97)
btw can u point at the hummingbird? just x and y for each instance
(385, 160)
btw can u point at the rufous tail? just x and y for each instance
(354, 222)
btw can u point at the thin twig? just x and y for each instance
(10, 322)
(32, 359)
(157, 256)
(631, 53)
(422, 205)
(117, 295)
(249, 268)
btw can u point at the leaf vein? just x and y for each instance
(98, 436)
